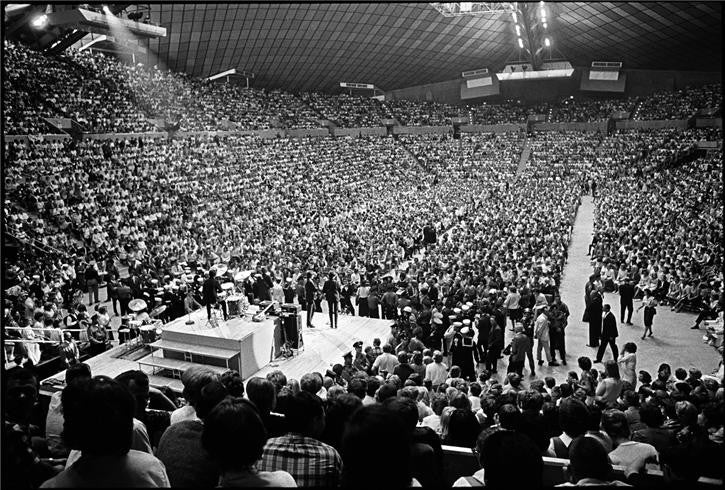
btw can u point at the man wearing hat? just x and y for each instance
(361, 362)
(462, 350)
(348, 370)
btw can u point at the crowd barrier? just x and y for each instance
(460, 461)
(672, 123)
(708, 122)
(492, 128)
(422, 129)
(355, 132)
(600, 126)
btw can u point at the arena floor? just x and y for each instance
(673, 341)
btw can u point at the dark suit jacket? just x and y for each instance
(210, 289)
(609, 327)
(331, 290)
(626, 292)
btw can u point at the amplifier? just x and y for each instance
(291, 308)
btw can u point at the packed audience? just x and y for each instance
(104, 95)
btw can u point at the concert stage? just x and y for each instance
(248, 347)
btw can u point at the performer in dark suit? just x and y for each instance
(331, 290)
(626, 295)
(609, 334)
(310, 290)
(210, 290)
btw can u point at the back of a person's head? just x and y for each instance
(509, 417)
(475, 389)
(614, 423)
(454, 372)
(358, 387)
(278, 379)
(573, 417)
(302, 409)
(651, 415)
(194, 379)
(262, 393)
(460, 401)
(234, 435)
(510, 460)
(437, 403)
(98, 416)
(463, 428)
(136, 376)
(374, 435)
(530, 400)
(233, 382)
(686, 413)
(550, 382)
(311, 383)
(405, 408)
(386, 391)
(209, 396)
(373, 385)
(588, 459)
(77, 371)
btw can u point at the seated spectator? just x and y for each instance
(626, 452)
(54, 419)
(594, 430)
(234, 437)
(187, 463)
(261, 392)
(193, 379)
(508, 460)
(338, 414)
(425, 466)
(374, 434)
(589, 465)
(438, 403)
(99, 423)
(653, 433)
(300, 452)
(573, 421)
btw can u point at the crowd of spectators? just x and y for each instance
(105, 95)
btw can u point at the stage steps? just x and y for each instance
(201, 350)
(175, 365)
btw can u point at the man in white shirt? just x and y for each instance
(385, 362)
(541, 332)
(626, 452)
(436, 372)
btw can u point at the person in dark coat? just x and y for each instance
(462, 353)
(594, 312)
(626, 295)
(495, 346)
(331, 290)
(609, 334)
(310, 291)
(210, 290)
(484, 330)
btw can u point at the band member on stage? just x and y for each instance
(331, 290)
(289, 292)
(310, 292)
(211, 289)
(190, 303)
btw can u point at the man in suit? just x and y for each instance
(210, 290)
(331, 290)
(626, 295)
(609, 334)
(310, 290)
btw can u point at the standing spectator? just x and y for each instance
(495, 346)
(541, 332)
(627, 362)
(92, 277)
(593, 313)
(235, 437)
(299, 452)
(511, 304)
(558, 314)
(609, 334)
(520, 345)
(650, 310)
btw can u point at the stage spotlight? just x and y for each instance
(106, 10)
(521, 43)
(547, 42)
(40, 21)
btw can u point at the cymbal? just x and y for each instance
(137, 305)
(158, 310)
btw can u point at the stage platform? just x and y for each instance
(238, 344)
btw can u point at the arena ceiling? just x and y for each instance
(309, 46)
